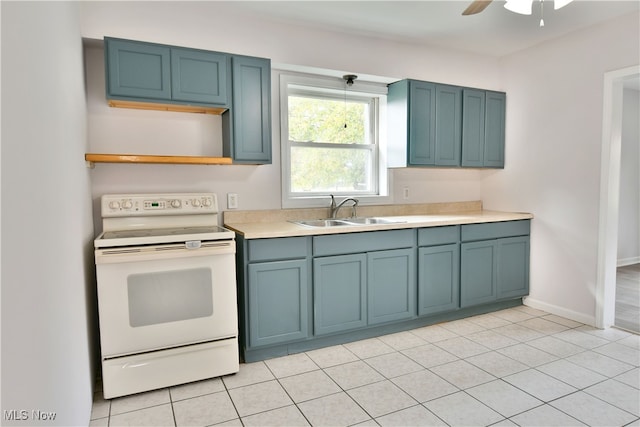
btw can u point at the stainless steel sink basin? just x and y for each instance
(345, 221)
(372, 221)
(322, 222)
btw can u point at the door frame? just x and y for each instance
(610, 193)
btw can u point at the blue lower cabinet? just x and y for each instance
(391, 287)
(339, 293)
(438, 279)
(513, 267)
(278, 302)
(478, 273)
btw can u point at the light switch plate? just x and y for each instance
(232, 200)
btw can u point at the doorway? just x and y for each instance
(614, 83)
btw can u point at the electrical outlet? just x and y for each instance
(405, 193)
(232, 200)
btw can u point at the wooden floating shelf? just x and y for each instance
(142, 158)
(166, 107)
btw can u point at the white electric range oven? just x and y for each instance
(166, 292)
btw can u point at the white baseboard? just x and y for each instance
(628, 261)
(560, 311)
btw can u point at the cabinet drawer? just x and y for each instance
(349, 243)
(438, 235)
(495, 230)
(274, 249)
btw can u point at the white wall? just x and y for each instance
(554, 136)
(47, 298)
(629, 208)
(214, 26)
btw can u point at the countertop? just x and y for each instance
(276, 223)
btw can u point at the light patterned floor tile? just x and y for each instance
(462, 327)
(434, 333)
(354, 374)
(600, 363)
(632, 341)
(287, 416)
(429, 355)
(592, 411)
(381, 398)
(610, 334)
(424, 385)
(620, 352)
(155, 416)
(416, 416)
(134, 402)
(198, 388)
(231, 423)
(530, 310)
(293, 364)
(369, 348)
(631, 378)
(331, 356)
(561, 320)
(543, 326)
(528, 355)
(581, 339)
(462, 347)
(101, 406)
(261, 397)
(309, 385)
(513, 315)
(497, 364)
(250, 373)
(504, 398)
(545, 415)
(99, 422)
(462, 374)
(393, 364)
(204, 410)
(334, 410)
(402, 340)
(488, 321)
(572, 374)
(618, 394)
(518, 332)
(460, 409)
(492, 340)
(539, 385)
(555, 346)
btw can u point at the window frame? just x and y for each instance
(334, 88)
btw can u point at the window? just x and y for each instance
(331, 140)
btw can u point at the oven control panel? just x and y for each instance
(114, 205)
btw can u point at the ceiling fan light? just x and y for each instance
(522, 7)
(557, 4)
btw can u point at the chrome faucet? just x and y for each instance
(334, 209)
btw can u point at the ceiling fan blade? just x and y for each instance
(476, 7)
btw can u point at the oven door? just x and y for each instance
(163, 296)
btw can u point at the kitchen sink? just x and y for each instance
(345, 221)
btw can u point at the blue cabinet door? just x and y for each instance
(494, 139)
(448, 124)
(340, 293)
(137, 70)
(478, 272)
(391, 288)
(473, 132)
(422, 121)
(199, 76)
(513, 267)
(278, 302)
(247, 127)
(438, 279)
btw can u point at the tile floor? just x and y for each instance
(518, 366)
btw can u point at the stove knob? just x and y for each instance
(206, 202)
(195, 202)
(126, 204)
(114, 205)
(176, 203)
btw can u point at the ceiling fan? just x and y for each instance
(518, 6)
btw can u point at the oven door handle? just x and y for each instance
(159, 252)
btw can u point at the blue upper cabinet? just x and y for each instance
(248, 123)
(424, 124)
(148, 72)
(483, 128)
(138, 70)
(199, 76)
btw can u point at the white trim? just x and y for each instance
(366, 88)
(609, 195)
(559, 311)
(628, 261)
